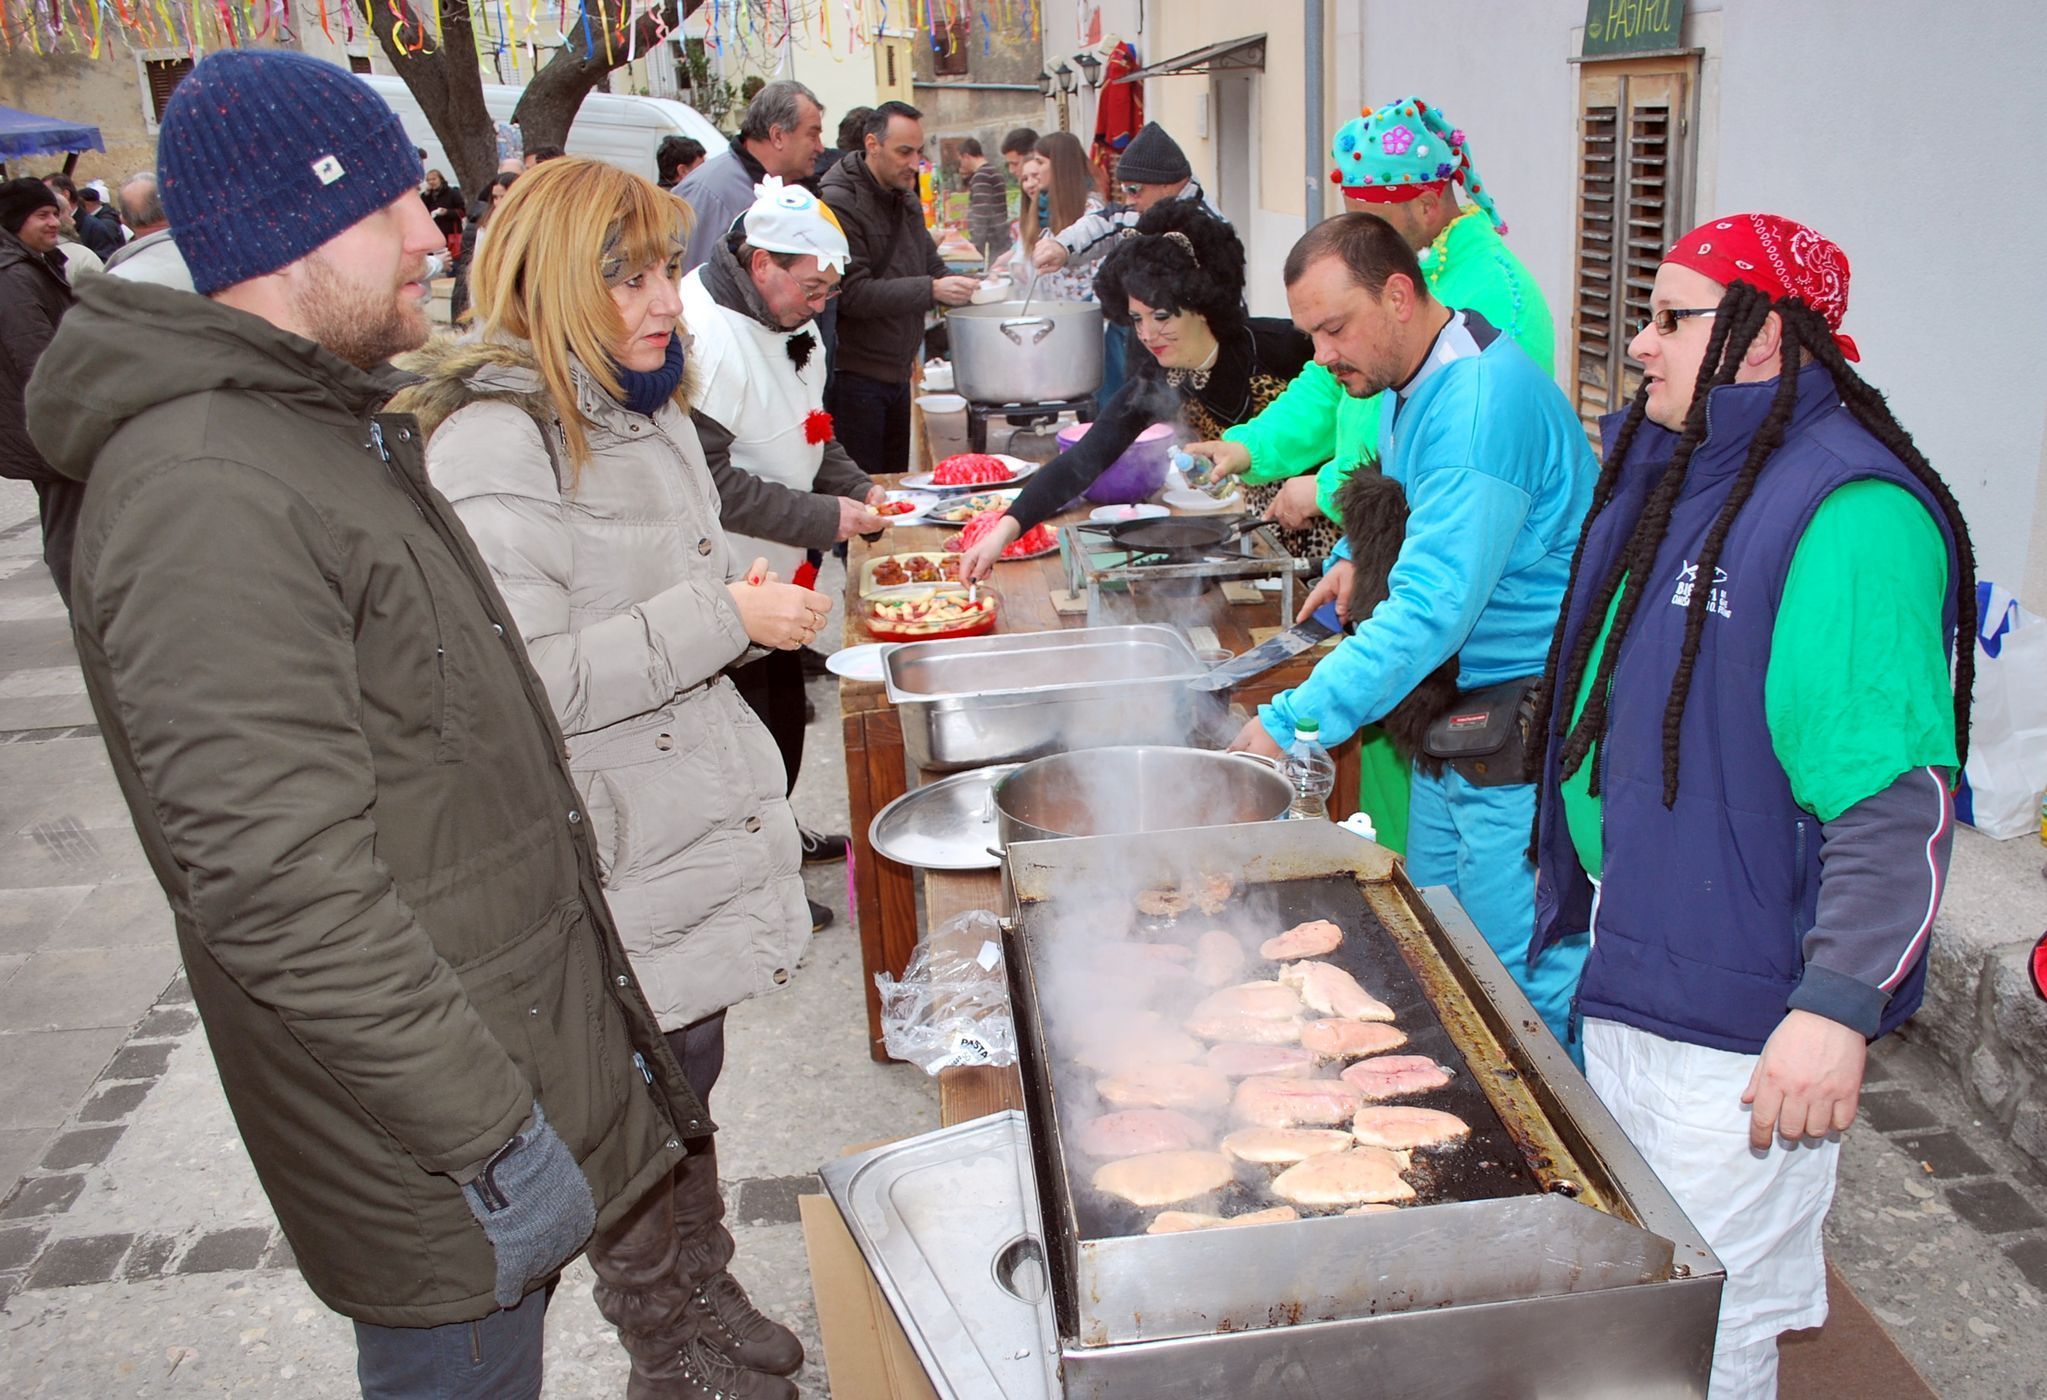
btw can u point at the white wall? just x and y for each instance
(1279, 176)
(1828, 111)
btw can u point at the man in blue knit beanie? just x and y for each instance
(346, 776)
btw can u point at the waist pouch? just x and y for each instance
(1484, 734)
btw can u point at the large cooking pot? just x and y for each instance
(1102, 792)
(1010, 352)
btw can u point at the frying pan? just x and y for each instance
(1174, 536)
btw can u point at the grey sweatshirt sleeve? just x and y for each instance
(766, 510)
(1883, 865)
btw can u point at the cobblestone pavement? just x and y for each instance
(138, 1257)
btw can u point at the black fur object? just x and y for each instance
(1374, 511)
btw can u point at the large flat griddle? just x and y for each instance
(1500, 1215)
(1486, 1165)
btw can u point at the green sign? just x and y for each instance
(1631, 26)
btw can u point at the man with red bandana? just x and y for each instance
(1747, 737)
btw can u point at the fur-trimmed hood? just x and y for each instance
(452, 372)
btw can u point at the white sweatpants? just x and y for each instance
(1761, 1212)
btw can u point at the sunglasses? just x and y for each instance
(1665, 320)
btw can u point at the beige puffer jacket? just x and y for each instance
(618, 584)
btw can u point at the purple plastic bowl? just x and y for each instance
(1137, 474)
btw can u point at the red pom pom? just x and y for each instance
(817, 427)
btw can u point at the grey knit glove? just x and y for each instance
(534, 1205)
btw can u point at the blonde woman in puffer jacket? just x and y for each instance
(560, 431)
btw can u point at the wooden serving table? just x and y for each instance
(877, 768)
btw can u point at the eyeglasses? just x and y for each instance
(1666, 318)
(1132, 190)
(812, 291)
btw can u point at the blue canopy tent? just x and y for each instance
(26, 134)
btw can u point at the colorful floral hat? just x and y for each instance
(1392, 153)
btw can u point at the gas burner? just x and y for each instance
(1023, 415)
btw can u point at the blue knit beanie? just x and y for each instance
(266, 154)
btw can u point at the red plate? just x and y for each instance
(882, 631)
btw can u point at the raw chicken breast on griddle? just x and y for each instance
(1239, 1060)
(1219, 959)
(1284, 1144)
(1336, 1039)
(1395, 1076)
(1309, 940)
(1361, 1175)
(1165, 1178)
(1173, 1222)
(1405, 1126)
(1294, 1103)
(1165, 1086)
(1135, 1131)
(1333, 992)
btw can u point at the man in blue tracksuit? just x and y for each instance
(1498, 475)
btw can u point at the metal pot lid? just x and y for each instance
(946, 825)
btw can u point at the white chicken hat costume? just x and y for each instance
(790, 219)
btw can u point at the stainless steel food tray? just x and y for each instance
(981, 700)
(944, 1222)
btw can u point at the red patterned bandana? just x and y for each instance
(1774, 255)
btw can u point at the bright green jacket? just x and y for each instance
(1469, 267)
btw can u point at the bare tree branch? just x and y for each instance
(446, 82)
(548, 105)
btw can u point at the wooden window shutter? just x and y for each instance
(164, 75)
(1633, 199)
(949, 47)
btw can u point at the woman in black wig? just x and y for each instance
(1179, 281)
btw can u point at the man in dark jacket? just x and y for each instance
(34, 295)
(896, 276)
(99, 227)
(344, 772)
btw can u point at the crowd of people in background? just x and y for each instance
(460, 705)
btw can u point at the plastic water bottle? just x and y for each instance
(1311, 770)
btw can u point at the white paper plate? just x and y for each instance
(1116, 515)
(1017, 465)
(1201, 503)
(922, 500)
(860, 663)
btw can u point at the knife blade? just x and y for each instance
(1321, 625)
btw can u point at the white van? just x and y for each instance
(617, 128)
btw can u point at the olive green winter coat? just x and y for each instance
(351, 786)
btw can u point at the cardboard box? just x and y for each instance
(866, 1354)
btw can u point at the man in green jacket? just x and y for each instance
(1402, 162)
(344, 773)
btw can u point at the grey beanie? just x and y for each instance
(1153, 158)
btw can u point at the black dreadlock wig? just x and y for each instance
(1742, 313)
(1374, 511)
